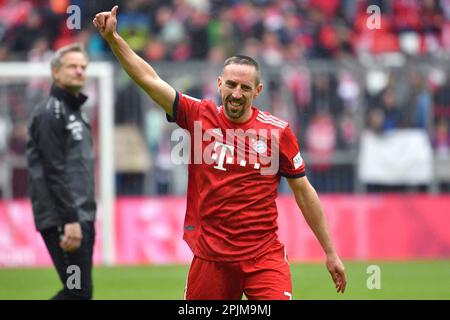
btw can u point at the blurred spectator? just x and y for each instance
(406, 14)
(156, 50)
(290, 33)
(445, 5)
(134, 26)
(328, 7)
(271, 51)
(163, 167)
(442, 101)
(347, 131)
(5, 129)
(170, 29)
(59, 6)
(189, 29)
(197, 30)
(26, 33)
(222, 32)
(37, 88)
(441, 139)
(5, 53)
(321, 141)
(416, 113)
(324, 94)
(40, 50)
(14, 12)
(347, 92)
(154, 124)
(252, 48)
(432, 17)
(92, 42)
(432, 20)
(391, 109)
(17, 145)
(375, 120)
(217, 55)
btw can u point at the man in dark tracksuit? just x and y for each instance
(61, 170)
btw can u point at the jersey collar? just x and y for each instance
(67, 97)
(247, 123)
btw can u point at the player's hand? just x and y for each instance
(106, 22)
(337, 271)
(71, 240)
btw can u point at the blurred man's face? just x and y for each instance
(238, 88)
(71, 75)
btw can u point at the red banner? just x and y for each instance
(369, 227)
(149, 230)
(20, 243)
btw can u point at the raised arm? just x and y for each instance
(139, 70)
(309, 203)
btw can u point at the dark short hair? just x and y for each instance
(244, 60)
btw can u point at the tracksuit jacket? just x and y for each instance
(61, 161)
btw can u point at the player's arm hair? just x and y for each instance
(143, 74)
(309, 203)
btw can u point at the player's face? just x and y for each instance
(238, 88)
(71, 75)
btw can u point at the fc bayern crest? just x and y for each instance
(259, 146)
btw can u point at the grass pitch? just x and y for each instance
(399, 280)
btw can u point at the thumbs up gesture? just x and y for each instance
(105, 22)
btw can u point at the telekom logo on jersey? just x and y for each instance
(210, 148)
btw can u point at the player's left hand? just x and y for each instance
(337, 271)
(106, 22)
(72, 237)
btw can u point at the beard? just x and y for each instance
(234, 112)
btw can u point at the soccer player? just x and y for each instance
(230, 222)
(61, 168)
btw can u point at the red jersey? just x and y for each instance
(234, 173)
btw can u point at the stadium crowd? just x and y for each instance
(331, 105)
(273, 31)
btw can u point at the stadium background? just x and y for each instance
(370, 107)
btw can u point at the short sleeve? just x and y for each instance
(291, 162)
(185, 110)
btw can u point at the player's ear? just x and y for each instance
(219, 83)
(259, 88)
(55, 73)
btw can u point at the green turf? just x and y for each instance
(399, 280)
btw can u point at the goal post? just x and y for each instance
(104, 73)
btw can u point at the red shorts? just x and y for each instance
(266, 277)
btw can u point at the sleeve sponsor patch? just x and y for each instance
(297, 160)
